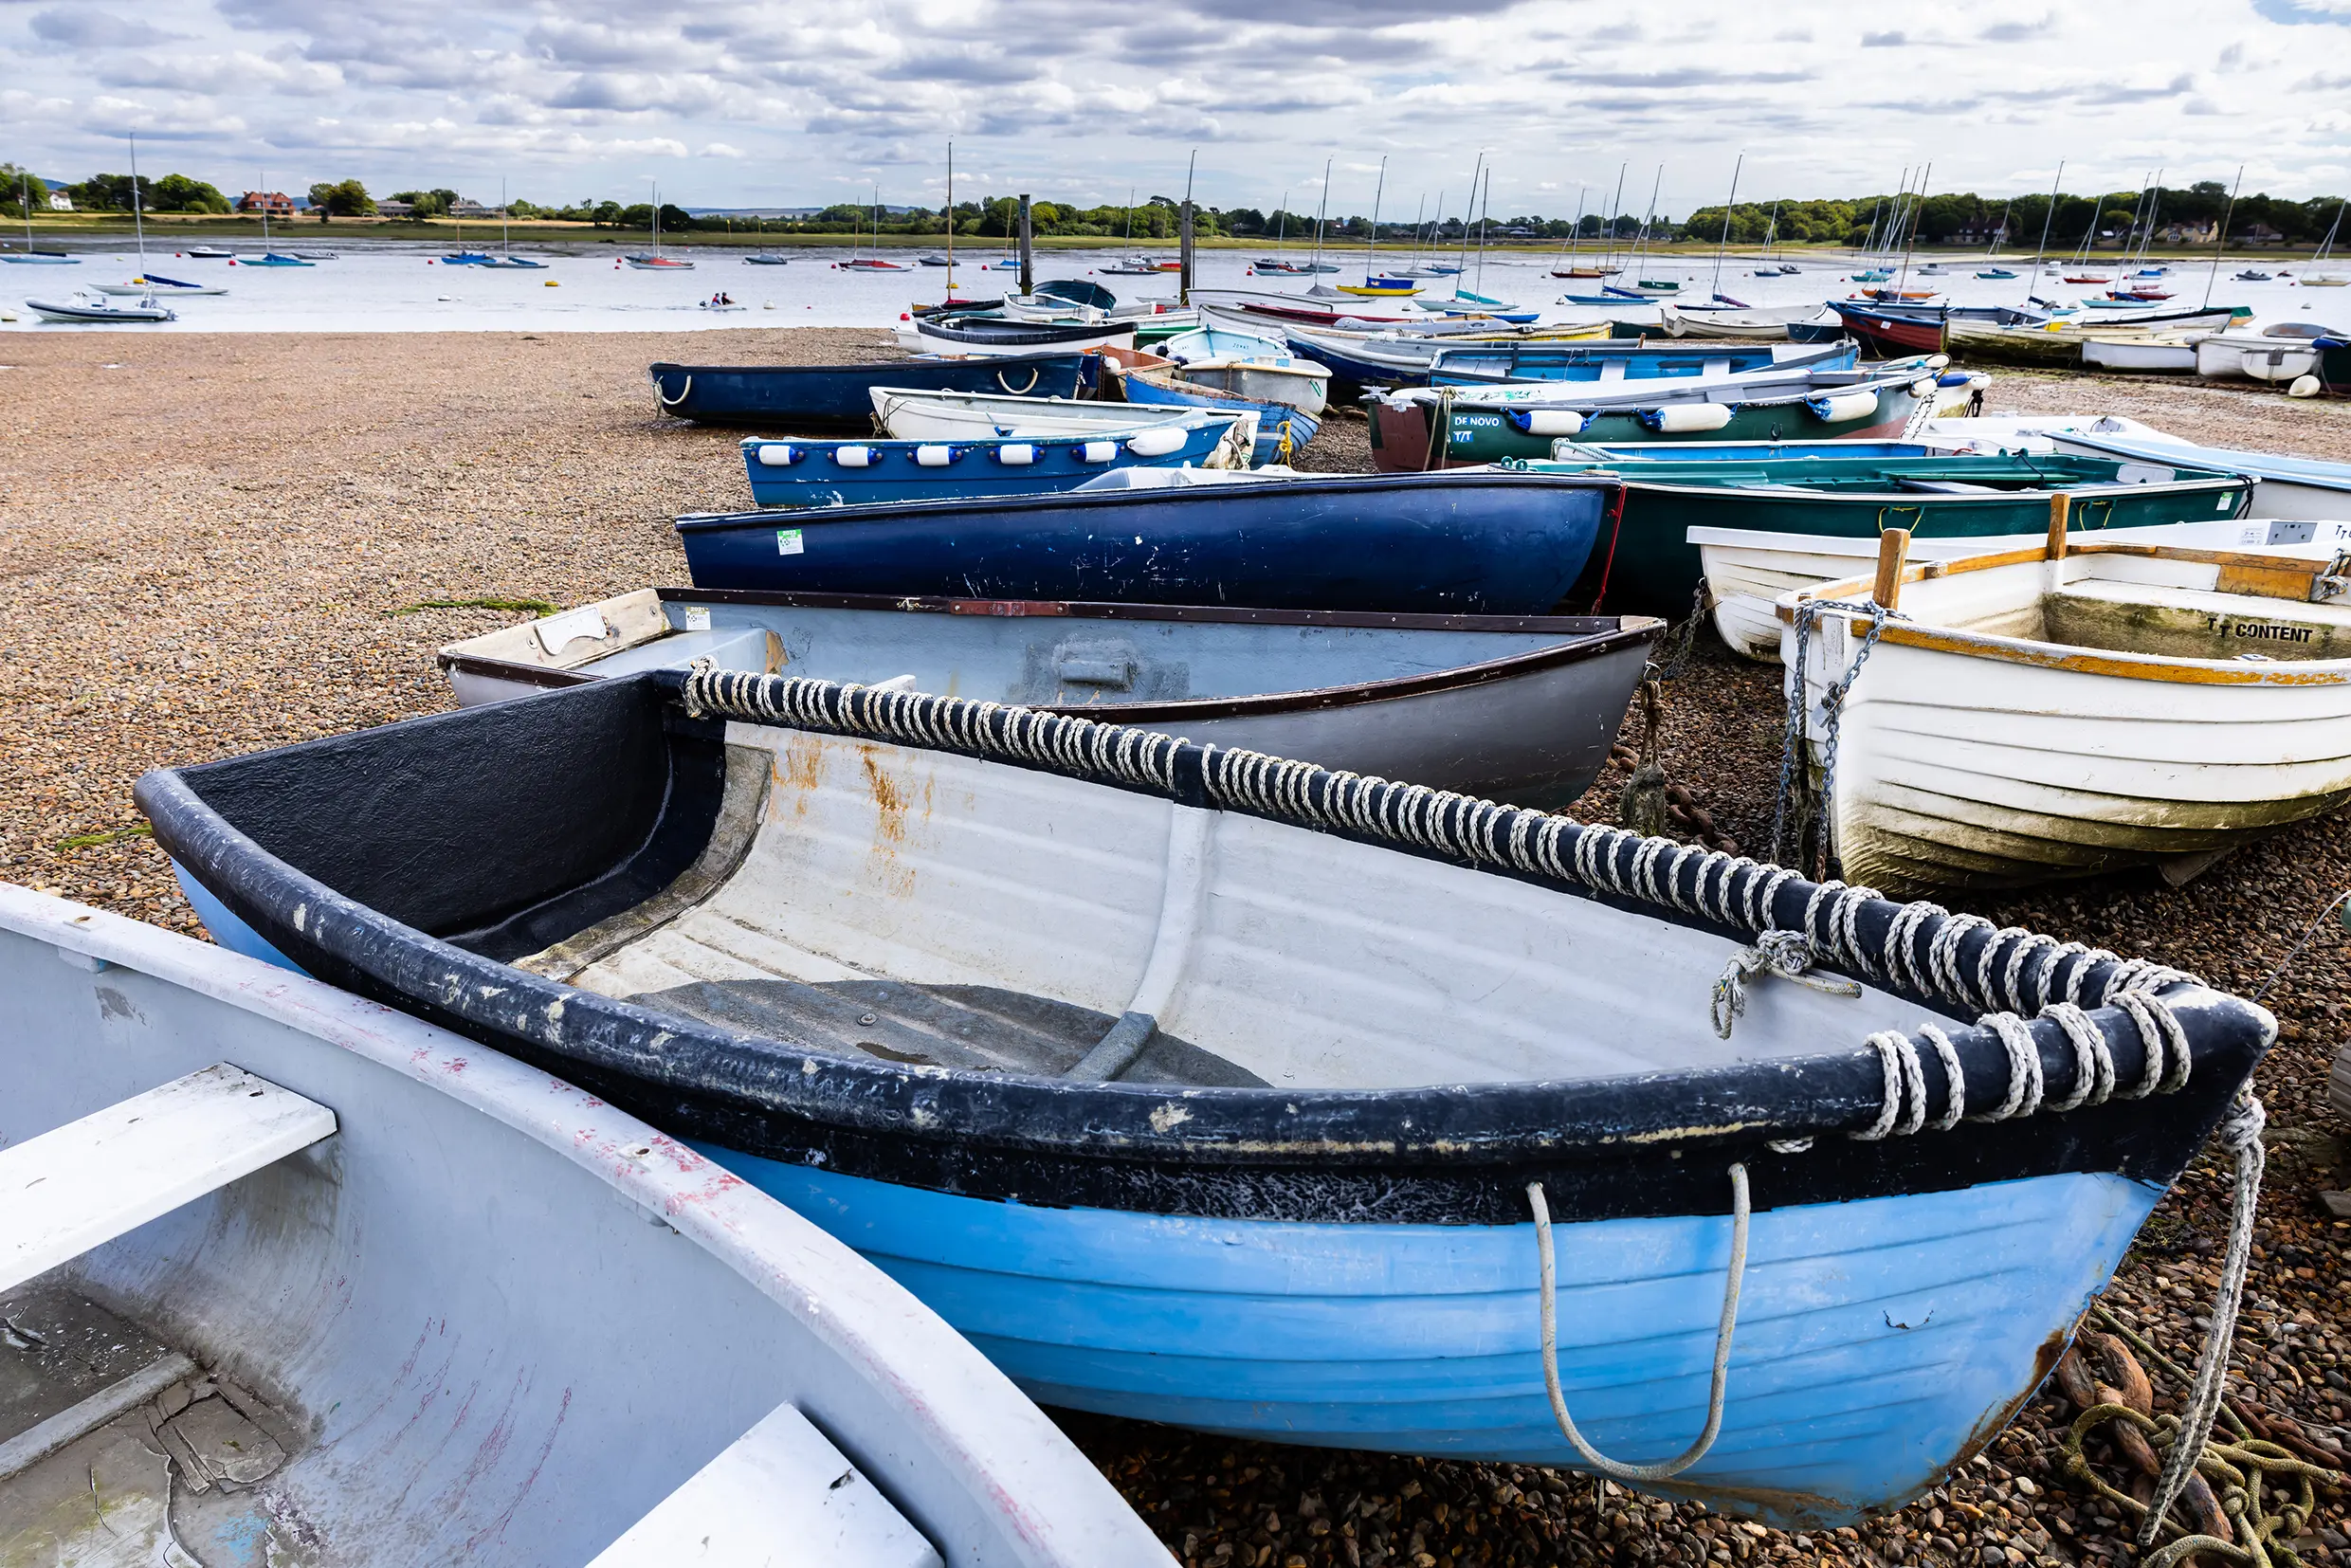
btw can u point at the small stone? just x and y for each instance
(2337, 1203)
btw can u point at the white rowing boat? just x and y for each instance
(291, 1277)
(2066, 710)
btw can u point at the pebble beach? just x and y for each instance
(211, 544)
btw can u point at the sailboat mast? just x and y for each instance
(1485, 206)
(2220, 241)
(2047, 218)
(1321, 210)
(1615, 211)
(1720, 245)
(138, 219)
(1918, 211)
(505, 243)
(1372, 256)
(951, 217)
(1475, 170)
(1575, 231)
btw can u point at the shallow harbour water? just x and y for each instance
(394, 287)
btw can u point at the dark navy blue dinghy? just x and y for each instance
(847, 473)
(1201, 1086)
(840, 397)
(1472, 543)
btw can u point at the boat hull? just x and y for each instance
(1418, 1339)
(2233, 357)
(1335, 1247)
(840, 397)
(2152, 356)
(1283, 429)
(1410, 437)
(1955, 771)
(1504, 708)
(1891, 332)
(821, 473)
(1657, 569)
(987, 337)
(472, 1241)
(1497, 545)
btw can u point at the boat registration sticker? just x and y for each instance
(787, 541)
(698, 617)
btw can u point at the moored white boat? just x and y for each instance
(2282, 351)
(291, 1277)
(2024, 718)
(2150, 352)
(912, 414)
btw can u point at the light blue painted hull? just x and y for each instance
(1877, 1342)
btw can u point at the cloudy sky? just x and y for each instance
(789, 102)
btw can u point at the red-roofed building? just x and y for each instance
(276, 203)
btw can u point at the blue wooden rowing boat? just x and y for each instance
(1196, 1086)
(847, 473)
(1477, 544)
(840, 397)
(1283, 429)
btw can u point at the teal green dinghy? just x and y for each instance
(1645, 560)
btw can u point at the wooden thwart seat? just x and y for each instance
(83, 1184)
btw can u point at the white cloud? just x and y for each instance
(761, 104)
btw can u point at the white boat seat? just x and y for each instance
(83, 1184)
(779, 1496)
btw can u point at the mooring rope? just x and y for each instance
(1735, 1277)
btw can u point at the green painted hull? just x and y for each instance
(1653, 569)
(1401, 438)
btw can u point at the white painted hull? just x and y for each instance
(2141, 355)
(2228, 356)
(486, 1319)
(1302, 385)
(972, 416)
(1956, 770)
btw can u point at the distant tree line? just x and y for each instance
(2180, 216)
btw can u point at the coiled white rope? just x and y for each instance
(1548, 1264)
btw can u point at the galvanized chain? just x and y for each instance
(1797, 804)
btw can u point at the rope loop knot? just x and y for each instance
(1783, 953)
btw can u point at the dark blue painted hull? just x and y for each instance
(1481, 543)
(838, 397)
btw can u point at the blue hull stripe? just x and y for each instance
(1877, 1340)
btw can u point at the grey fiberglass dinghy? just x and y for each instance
(1202, 1087)
(1522, 706)
(291, 1278)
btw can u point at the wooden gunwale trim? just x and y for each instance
(2082, 661)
